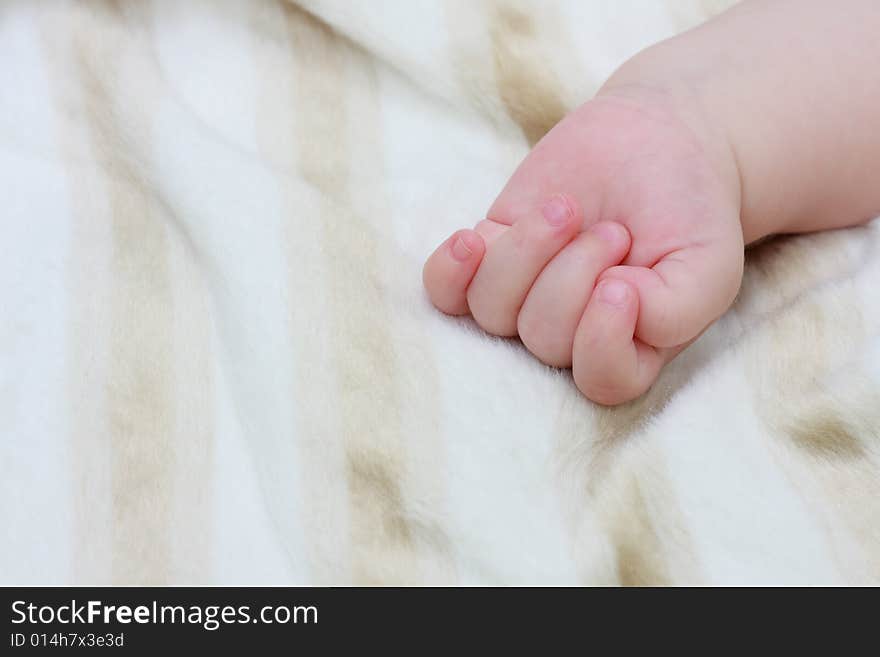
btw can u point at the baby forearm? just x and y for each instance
(793, 86)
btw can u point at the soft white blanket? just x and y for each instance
(217, 363)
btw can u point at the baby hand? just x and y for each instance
(613, 245)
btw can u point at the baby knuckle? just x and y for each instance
(529, 327)
(493, 320)
(542, 340)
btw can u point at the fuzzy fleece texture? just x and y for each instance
(218, 365)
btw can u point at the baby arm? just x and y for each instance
(763, 120)
(794, 88)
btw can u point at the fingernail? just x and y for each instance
(556, 211)
(613, 292)
(460, 250)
